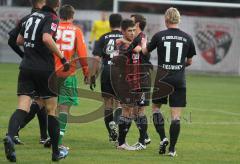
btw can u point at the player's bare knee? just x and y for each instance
(24, 102)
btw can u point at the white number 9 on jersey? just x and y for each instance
(66, 38)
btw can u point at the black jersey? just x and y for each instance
(36, 54)
(106, 46)
(173, 47)
(13, 34)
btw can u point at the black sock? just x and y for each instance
(53, 131)
(141, 122)
(42, 119)
(158, 122)
(117, 114)
(15, 121)
(146, 136)
(34, 108)
(123, 126)
(174, 133)
(108, 117)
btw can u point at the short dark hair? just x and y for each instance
(115, 20)
(35, 2)
(126, 23)
(52, 3)
(66, 12)
(141, 20)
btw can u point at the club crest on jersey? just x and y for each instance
(135, 56)
(54, 26)
(213, 40)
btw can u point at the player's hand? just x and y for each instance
(92, 82)
(86, 80)
(66, 65)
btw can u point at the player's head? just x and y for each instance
(139, 20)
(103, 16)
(38, 3)
(128, 29)
(66, 12)
(172, 16)
(54, 4)
(115, 20)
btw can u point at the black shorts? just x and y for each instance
(34, 83)
(106, 85)
(177, 98)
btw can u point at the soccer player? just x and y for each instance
(36, 67)
(175, 50)
(106, 50)
(70, 40)
(36, 106)
(99, 28)
(127, 72)
(139, 111)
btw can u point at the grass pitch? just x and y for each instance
(210, 127)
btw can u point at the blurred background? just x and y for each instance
(213, 24)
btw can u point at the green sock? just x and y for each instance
(63, 117)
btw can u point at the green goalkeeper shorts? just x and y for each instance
(68, 94)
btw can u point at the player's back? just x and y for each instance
(70, 41)
(106, 47)
(36, 54)
(66, 38)
(173, 46)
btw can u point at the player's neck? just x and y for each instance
(172, 26)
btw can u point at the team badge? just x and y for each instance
(213, 40)
(54, 26)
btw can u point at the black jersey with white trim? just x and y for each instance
(106, 46)
(173, 47)
(37, 56)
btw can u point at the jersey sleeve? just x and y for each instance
(98, 48)
(153, 43)
(50, 26)
(22, 29)
(192, 49)
(13, 34)
(82, 51)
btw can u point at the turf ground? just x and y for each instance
(210, 129)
